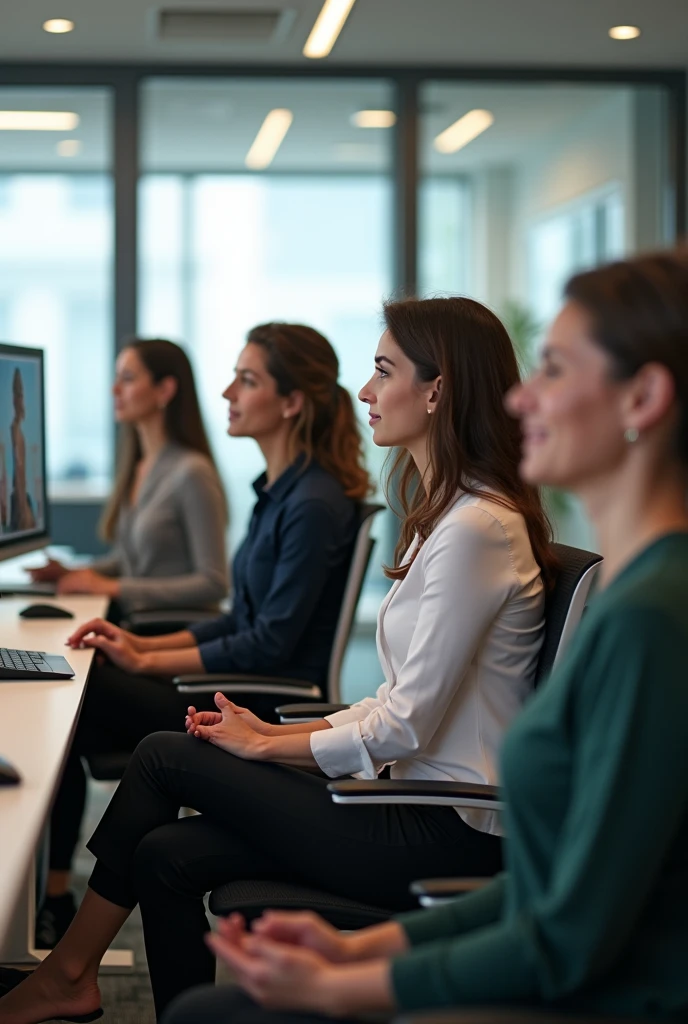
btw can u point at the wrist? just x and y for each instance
(147, 663)
(328, 992)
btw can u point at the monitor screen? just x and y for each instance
(23, 505)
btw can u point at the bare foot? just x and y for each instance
(45, 994)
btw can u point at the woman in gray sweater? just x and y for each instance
(167, 515)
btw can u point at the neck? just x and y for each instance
(152, 436)
(421, 456)
(654, 504)
(276, 454)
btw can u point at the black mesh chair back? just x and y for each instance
(565, 603)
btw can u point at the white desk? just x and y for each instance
(37, 720)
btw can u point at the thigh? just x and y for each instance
(370, 853)
(121, 708)
(193, 855)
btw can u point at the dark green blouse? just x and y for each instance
(592, 911)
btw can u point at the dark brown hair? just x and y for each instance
(183, 420)
(474, 445)
(301, 359)
(639, 313)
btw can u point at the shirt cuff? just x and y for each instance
(355, 713)
(214, 656)
(210, 629)
(341, 751)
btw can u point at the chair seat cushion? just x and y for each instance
(253, 898)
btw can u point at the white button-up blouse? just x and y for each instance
(458, 641)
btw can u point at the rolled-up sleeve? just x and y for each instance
(470, 551)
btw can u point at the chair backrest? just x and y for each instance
(360, 559)
(565, 603)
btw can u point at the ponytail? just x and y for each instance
(326, 430)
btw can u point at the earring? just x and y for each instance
(429, 412)
(631, 435)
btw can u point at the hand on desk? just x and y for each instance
(120, 646)
(87, 581)
(51, 572)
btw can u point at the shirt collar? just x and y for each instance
(283, 484)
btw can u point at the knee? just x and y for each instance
(158, 748)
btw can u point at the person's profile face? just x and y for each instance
(255, 407)
(397, 402)
(570, 409)
(135, 392)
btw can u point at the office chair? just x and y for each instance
(563, 610)
(244, 688)
(109, 767)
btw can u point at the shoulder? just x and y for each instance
(192, 466)
(316, 486)
(483, 528)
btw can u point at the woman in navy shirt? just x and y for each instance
(289, 574)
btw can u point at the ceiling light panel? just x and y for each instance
(374, 119)
(58, 26)
(624, 32)
(269, 139)
(38, 121)
(328, 25)
(463, 131)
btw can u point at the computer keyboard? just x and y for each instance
(19, 665)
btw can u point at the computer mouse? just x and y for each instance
(45, 611)
(9, 776)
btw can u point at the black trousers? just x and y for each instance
(227, 1005)
(257, 821)
(119, 710)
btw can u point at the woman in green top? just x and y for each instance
(592, 912)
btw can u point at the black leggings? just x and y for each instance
(119, 709)
(257, 821)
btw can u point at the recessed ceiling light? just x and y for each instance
(624, 32)
(374, 118)
(269, 139)
(58, 26)
(328, 25)
(38, 121)
(68, 147)
(463, 131)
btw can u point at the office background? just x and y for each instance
(143, 217)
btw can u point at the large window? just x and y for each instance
(56, 265)
(224, 247)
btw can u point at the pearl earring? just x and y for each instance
(631, 435)
(429, 412)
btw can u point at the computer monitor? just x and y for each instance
(23, 502)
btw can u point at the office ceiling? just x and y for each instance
(378, 32)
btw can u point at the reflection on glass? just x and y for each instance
(305, 240)
(55, 269)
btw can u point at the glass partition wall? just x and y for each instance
(197, 202)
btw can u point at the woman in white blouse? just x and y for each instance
(458, 639)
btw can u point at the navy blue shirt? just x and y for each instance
(289, 576)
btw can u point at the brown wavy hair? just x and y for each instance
(183, 421)
(474, 444)
(299, 358)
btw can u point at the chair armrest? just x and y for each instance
(277, 686)
(148, 623)
(433, 891)
(294, 713)
(414, 791)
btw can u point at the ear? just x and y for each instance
(650, 397)
(433, 391)
(293, 404)
(167, 389)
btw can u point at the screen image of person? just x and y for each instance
(21, 461)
